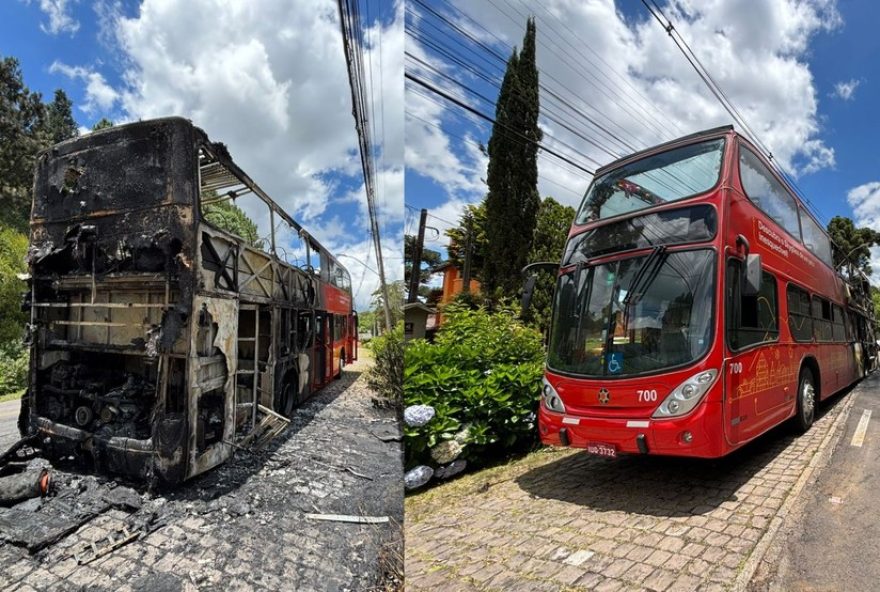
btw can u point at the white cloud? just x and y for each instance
(269, 81)
(629, 77)
(60, 19)
(100, 96)
(865, 202)
(846, 90)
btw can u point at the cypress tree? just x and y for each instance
(512, 200)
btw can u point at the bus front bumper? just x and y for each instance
(638, 435)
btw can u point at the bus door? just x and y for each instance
(320, 350)
(353, 336)
(754, 396)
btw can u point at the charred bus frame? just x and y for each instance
(160, 342)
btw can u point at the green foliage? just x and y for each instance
(512, 200)
(227, 216)
(22, 136)
(852, 244)
(104, 123)
(482, 375)
(548, 242)
(13, 247)
(396, 291)
(430, 258)
(473, 220)
(386, 375)
(13, 368)
(60, 124)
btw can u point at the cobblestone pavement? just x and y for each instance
(242, 526)
(564, 520)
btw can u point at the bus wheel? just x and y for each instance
(24, 415)
(806, 401)
(341, 364)
(286, 400)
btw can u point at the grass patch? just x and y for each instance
(13, 396)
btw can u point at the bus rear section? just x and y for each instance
(110, 267)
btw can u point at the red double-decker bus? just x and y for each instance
(697, 306)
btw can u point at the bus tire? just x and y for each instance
(286, 401)
(341, 364)
(806, 401)
(24, 415)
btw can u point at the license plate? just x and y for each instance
(601, 449)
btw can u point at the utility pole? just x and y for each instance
(468, 247)
(415, 276)
(352, 44)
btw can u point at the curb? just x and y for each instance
(820, 460)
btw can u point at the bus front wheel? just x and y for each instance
(806, 401)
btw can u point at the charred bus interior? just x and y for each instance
(163, 336)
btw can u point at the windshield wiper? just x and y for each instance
(646, 274)
(649, 264)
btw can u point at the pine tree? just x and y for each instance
(60, 124)
(104, 123)
(22, 118)
(512, 200)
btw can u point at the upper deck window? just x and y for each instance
(766, 192)
(816, 240)
(660, 178)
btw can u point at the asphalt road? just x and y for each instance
(9, 423)
(833, 542)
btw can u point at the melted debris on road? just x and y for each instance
(242, 526)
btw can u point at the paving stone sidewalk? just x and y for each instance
(564, 520)
(243, 527)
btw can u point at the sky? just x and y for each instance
(266, 78)
(803, 73)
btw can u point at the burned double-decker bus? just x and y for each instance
(176, 311)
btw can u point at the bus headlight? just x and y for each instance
(686, 395)
(551, 397)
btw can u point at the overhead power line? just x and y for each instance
(468, 108)
(724, 100)
(353, 46)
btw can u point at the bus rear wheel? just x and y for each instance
(341, 364)
(286, 400)
(806, 401)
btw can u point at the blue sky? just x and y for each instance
(804, 74)
(269, 81)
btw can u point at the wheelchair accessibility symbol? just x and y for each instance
(615, 363)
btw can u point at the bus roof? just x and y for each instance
(218, 150)
(715, 131)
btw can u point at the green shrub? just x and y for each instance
(386, 375)
(482, 376)
(13, 246)
(13, 368)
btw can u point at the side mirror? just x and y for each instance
(529, 287)
(528, 290)
(752, 277)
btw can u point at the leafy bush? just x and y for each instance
(13, 246)
(482, 376)
(386, 375)
(13, 368)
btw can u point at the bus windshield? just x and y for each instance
(653, 180)
(635, 315)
